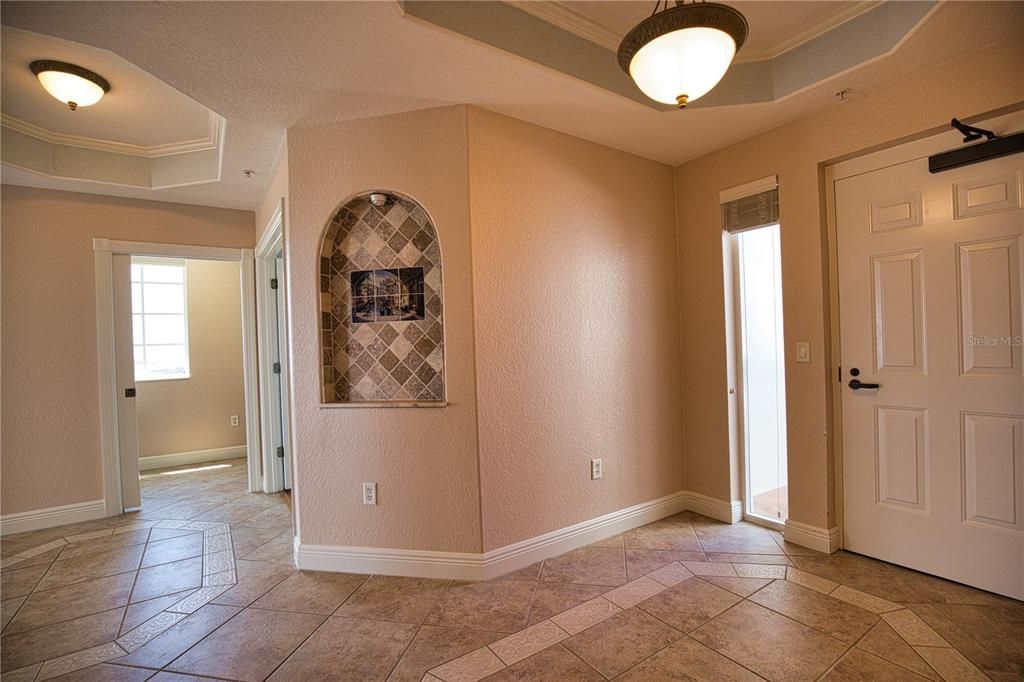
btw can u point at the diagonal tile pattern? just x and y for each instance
(381, 340)
(208, 590)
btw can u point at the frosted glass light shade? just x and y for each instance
(68, 88)
(71, 84)
(681, 66)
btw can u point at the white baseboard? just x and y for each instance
(176, 459)
(54, 516)
(825, 540)
(497, 562)
(712, 507)
(526, 552)
(405, 562)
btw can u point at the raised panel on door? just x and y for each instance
(896, 213)
(989, 291)
(901, 457)
(993, 466)
(898, 319)
(990, 194)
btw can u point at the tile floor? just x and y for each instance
(200, 584)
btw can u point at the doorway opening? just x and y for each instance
(188, 369)
(163, 353)
(757, 276)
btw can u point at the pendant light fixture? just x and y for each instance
(74, 85)
(680, 53)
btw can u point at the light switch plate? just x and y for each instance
(803, 351)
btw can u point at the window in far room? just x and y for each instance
(159, 319)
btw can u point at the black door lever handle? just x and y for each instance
(856, 384)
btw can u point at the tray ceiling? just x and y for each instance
(362, 59)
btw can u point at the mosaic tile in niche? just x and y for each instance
(380, 283)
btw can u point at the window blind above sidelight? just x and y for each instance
(750, 206)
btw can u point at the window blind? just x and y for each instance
(751, 206)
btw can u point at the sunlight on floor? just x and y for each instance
(187, 471)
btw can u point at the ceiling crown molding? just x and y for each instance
(215, 131)
(568, 19)
(859, 34)
(813, 31)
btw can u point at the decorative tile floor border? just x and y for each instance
(81, 537)
(497, 656)
(219, 575)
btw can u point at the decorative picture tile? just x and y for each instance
(388, 308)
(412, 307)
(363, 310)
(363, 285)
(382, 333)
(412, 281)
(386, 295)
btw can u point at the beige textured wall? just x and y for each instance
(906, 106)
(50, 430)
(577, 327)
(423, 459)
(181, 415)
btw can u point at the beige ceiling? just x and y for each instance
(268, 66)
(775, 27)
(139, 110)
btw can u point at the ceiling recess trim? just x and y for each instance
(857, 36)
(215, 132)
(815, 30)
(568, 19)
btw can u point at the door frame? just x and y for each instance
(104, 250)
(268, 342)
(929, 142)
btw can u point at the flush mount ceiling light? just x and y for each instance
(678, 54)
(71, 84)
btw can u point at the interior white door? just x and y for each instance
(930, 295)
(127, 420)
(282, 432)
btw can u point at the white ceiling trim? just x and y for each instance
(215, 132)
(570, 20)
(815, 30)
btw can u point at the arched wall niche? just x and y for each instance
(381, 312)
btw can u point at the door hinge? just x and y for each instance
(129, 393)
(277, 368)
(273, 283)
(280, 451)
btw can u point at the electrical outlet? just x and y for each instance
(596, 469)
(369, 493)
(234, 420)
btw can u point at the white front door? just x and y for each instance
(930, 296)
